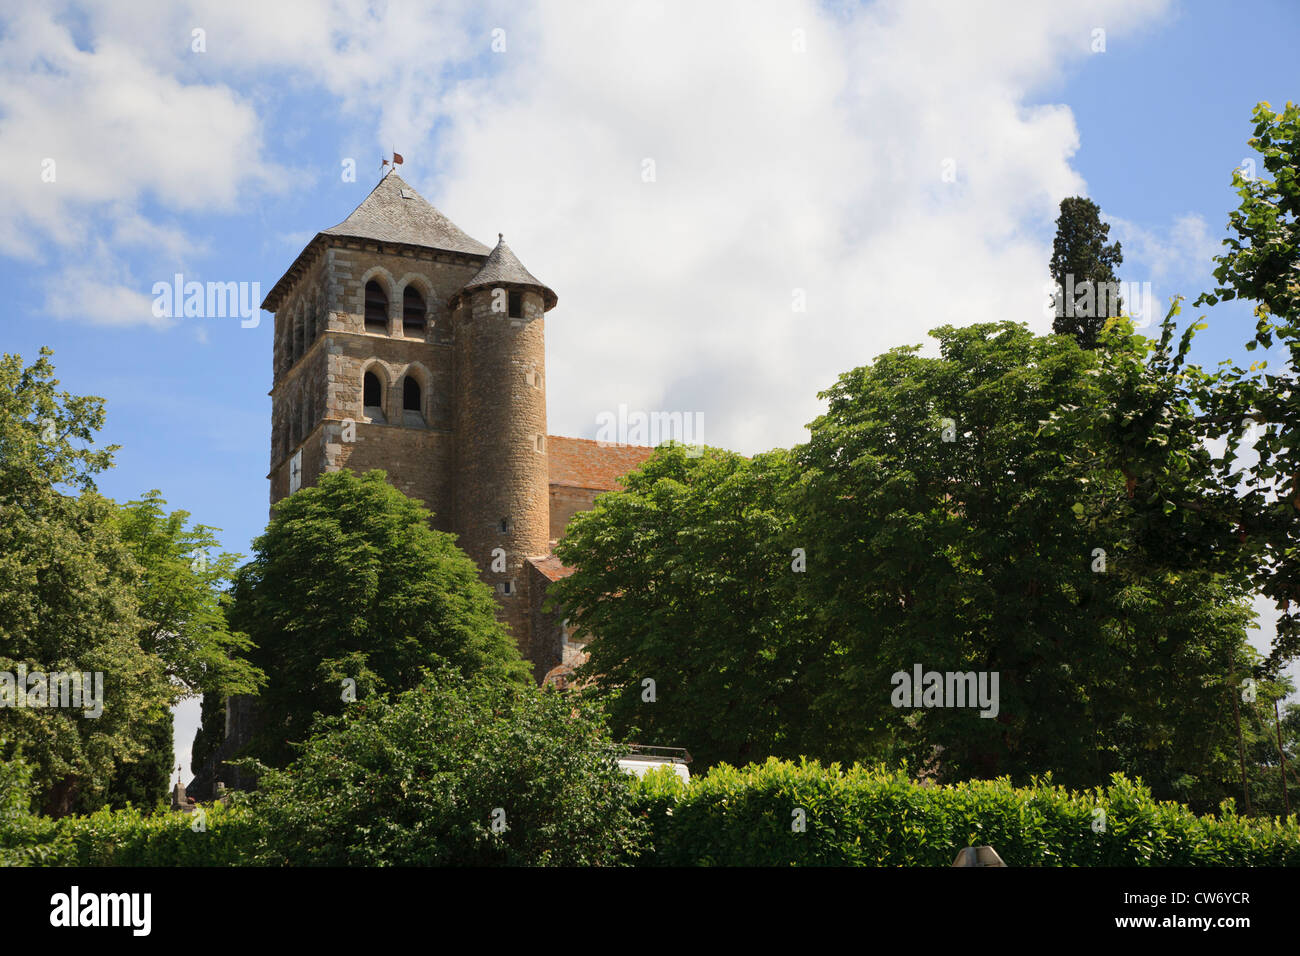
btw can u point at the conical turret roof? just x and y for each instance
(503, 268)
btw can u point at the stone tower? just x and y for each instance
(401, 343)
(502, 507)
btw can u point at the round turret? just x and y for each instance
(502, 499)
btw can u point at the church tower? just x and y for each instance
(402, 343)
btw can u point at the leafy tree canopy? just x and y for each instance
(68, 604)
(350, 582)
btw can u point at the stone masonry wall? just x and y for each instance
(565, 502)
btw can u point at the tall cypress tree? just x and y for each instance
(1083, 268)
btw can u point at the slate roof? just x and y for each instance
(392, 213)
(503, 268)
(582, 463)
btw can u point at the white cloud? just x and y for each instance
(776, 169)
(89, 134)
(83, 295)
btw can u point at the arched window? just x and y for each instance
(413, 312)
(376, 308)
(412, 413)
(372, 398)
(281, 337)
(297, 334)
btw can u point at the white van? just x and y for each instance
(641, 758)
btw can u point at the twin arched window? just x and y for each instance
(372, 400)
(414, 310)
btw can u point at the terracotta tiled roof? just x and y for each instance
(582, 463)
(551, 567)
(503, 268)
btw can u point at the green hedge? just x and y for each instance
(743, 817)
(133, 838)
(874, 817)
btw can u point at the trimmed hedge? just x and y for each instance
(876, 817)
(133, 838)
(743, 817)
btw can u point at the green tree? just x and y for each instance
(183, 599)
(67, 602)
(1257, 410)
(975, 514)
(143, 781)
(1083, 268)
(453, 772)
(350, 582)
(686, 578)
(182, 595)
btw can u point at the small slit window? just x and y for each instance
(376, 308)
(373, 398)
(505, 526)
(515, 305)
(413, 313)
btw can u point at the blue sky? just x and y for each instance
(777, 169)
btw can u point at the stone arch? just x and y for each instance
(308, 323)
(283, 333)
(424, 288)
(311, 326)
(295, 419)
(423, 380)
(384, 280)
(381, 413)
(299, 337)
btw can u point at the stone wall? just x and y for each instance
(565, 502)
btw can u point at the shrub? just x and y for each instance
(421, 780)
(875, 817)
(25, 838)
(132, 837)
